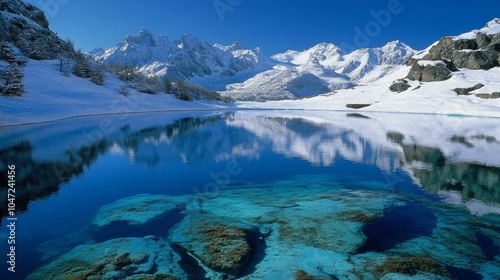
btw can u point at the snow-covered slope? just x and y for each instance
(186, 58)
(482, 86)
(52, 96)
(327, 62)
(281, 82)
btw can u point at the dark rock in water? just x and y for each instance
(463, 274)
(219, 244)
(303, 275)
(122, 258)
(137, 216)
(399, 224)
(411, 266)
(399, 85)
(466, 91)
(488, 245)
(431, 72)
(357, 106)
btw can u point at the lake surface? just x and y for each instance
(253, 195)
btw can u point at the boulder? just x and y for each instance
(482, 40)
(357, 106)
(493, 95)
(466, 91)
(399, 85)
(431, 71)
(122, 258)
(220, 244)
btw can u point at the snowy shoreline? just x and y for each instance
(50, 96)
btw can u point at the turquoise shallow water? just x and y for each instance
(254, 195)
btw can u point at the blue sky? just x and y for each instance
(273, 25)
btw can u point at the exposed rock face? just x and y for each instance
(431, 71)
(27, 28)
(399, 86)
(479, 49)
(26, 10)
(466, 91)
(479, 53)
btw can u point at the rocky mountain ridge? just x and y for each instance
(246, 73)
(185, 58)
(475, 50)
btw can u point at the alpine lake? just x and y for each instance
(252, 195)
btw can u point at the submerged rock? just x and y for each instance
(123, 258)
(411, 266)
(136, 211)
(219, 244)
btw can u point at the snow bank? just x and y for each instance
(52, 96)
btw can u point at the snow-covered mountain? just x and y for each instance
(281, 82)
(247, 74)
(185, 59)
(358, 67)
(324, 62)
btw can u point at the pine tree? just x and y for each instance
(65, 52)
(38, 49)
(182, 91)
(6, 52)
(13, 81)
(169, 88)
(98, 76)
(82, 67)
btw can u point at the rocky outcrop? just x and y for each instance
(26, 27)
(466, 91)
(479, 49)
(399, 86)
(431, 71)
(25, 9)
(493, 95)
(479, 53)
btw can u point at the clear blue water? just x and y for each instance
(65, 176)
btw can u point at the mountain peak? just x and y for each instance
(145, 32)
(144, 37)
(189, 40)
